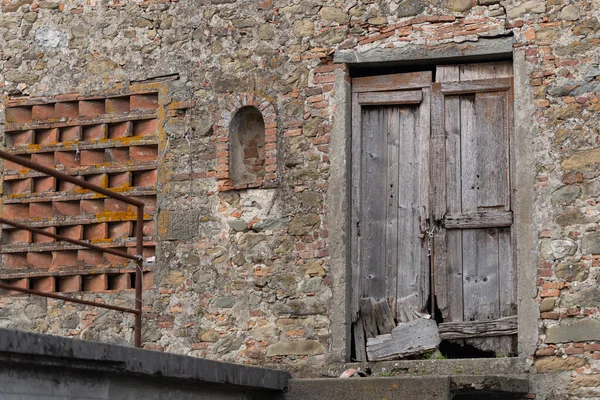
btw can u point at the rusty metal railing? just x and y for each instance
(137, 311)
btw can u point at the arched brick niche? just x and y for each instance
(247, 143)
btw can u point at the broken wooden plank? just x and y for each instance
(470, 329)
(360, 346)
(477, 86)
(414, 337)
(482, 219)
(367, 314)
(383, 317)
(406, 307)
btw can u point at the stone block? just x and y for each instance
(557, 364)
(299, 348)
(566, 194)
(589, 297)
(180, 225)
(303, 224)
(572, 271)
(590, 244)
(574, 331)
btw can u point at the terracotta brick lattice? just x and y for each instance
(245, 161)
(109, 141)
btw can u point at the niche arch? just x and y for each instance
(246, 143)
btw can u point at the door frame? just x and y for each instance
(338, 207)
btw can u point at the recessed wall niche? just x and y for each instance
(246, 135)
(247, 147)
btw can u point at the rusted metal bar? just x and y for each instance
(139, 235)
(71, 299)
(69, 178)
(66, 239)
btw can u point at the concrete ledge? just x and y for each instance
(24, 347)
(483, 49)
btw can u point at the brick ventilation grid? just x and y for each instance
(111, 142)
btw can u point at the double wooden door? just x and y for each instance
(431, 204)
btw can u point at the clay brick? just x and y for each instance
(118, 230)
(118, 155)
(95, 283)
(15, 211)
(15, 261)
(18, 236)
(39, 260)
(46, 136)
(18, 186)
(144, 127)
(149, 203)
(23, 138)
(122, 129)
(45, 284)
(66, 158)
(69, 284)
(9, 165)
(112, 259)
(69, 109)
(94, 132)
(72, 232)
(40, 210)
(117, 105)
(119, 281)
(69, 133)
(18, 115)
(64, 186)
(95, 206)
(45, 159)
(91, 108)
(42, 111)
(92, 157)
(145, 178)
(113, 205)
(148, 278)
(37, 238)
(62, 259)
(143, 153)
(122, 179)
(90, 258)
(22, 283)
(95, 231)
(65, 208)
(592, 347)
(149, 228)
(144, 102)
(45, 184)
(97, 179)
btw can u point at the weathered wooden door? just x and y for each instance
(474, 269)
(434, 158)
(390, 184)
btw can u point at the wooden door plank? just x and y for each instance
(356, 207)
(477, 71)
(390, 98)
(379, 83)
(447, 73)
(480, 219)
(492, 168)
(374, 131)
(367, 314)
(476, 86)
(408, 209)
(392, 241)
(360, 342)
(480, 283)
(495, 327)
(507, 274)
(383, 317)
(439, 270)
(423, 134)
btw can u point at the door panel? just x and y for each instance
(390, 181)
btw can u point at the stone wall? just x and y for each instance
(247, 275)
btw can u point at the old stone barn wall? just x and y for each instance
(246, 267)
